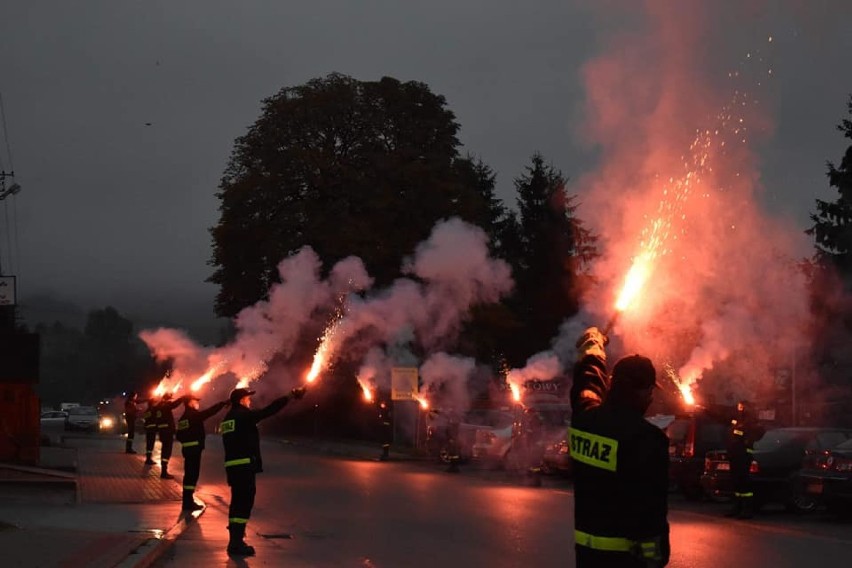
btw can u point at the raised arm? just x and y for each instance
(208, 412)
(591, 380)
(277, 404)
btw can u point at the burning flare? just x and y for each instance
(368, 394)
(324, 352)
(424, 404)
(683, 385)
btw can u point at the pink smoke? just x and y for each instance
(677, 173)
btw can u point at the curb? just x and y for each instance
(153, 549)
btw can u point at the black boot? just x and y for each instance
(385, 452)
(148, 460)
(747, 509)
(128, 447)
(236, 545)
(189, 503)
(164, 470)
(736, 509)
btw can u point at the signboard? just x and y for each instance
(7, 291)
(404, 383)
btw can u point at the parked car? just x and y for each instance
(557, 457)
(437, 433)
(826, 477)
(691, 436)
(524, 441)
(83, 418)
(777, 459)
(52, 417)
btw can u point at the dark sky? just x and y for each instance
(114, 211)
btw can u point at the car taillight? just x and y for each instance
(841, 464)
(753, 468)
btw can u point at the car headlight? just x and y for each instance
(106, 422)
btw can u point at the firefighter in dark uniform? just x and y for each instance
(453, 442)
(620, 460)
(166, 431)
(243, 461)
(191, 434)
(150, 429)
(742, 434)
(386, 425)
(130, 413)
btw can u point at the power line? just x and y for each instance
(6, 134)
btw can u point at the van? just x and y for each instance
(691, 436)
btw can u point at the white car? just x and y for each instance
(53, 417)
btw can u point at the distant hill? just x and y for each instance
(197, 320)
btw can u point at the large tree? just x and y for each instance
(830, 271)
(552, 251)
(348, 167)
(832, 229)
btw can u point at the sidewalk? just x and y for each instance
(113, 511)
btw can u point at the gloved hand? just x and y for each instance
(298, 392)
(592, 342)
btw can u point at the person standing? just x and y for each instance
(150, 421)
(243, 461)
(742, 434)
(166, 431)
(131, 410)
(191, 434)
(621, 461)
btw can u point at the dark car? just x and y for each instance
(691, 436)
(776, 461)
(826, 477)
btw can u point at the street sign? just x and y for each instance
(404, 383)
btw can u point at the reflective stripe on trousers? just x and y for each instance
(649, 549)
(239, 461)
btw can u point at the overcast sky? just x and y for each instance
(116, 211)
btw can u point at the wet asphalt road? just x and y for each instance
(326, 511)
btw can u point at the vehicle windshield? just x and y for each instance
(847, 445)
(491, 418)
(83, 411)
(677, 430)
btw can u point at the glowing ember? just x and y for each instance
(635, 280)
(683, 385)
(516, 392)
(324, 351)
(686, 391)
(368, 394)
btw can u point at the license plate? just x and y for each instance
(723, 466)
(815, 488)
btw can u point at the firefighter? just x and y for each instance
(190, 433)
(166, 430)
(150, 429)
(453, 443)
(386, 423)
(243, 461)
(620, 461)
(742, 434)
(130, 413)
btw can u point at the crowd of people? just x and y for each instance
(620, 459)
(240, 437)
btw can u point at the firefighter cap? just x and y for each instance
(238, 394)
(634, 372)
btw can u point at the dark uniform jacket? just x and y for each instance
(621, 466)
(149, 416)
(240, 435)
(130, 410)
(190, 427)
(741, 437)
(163, 413)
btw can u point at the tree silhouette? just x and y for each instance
(348, 167)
